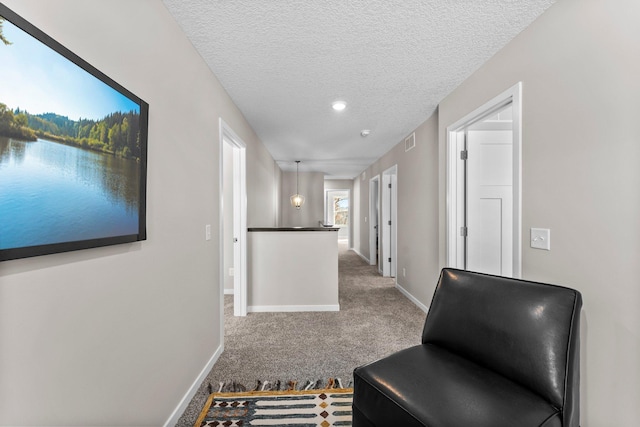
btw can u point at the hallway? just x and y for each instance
(374, 320)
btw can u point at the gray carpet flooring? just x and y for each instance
(374, 320)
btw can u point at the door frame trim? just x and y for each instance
(240, 227)
(453, 176)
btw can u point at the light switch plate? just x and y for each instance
(541, 238)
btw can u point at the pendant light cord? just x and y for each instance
(297, 178)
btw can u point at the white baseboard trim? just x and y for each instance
(411, 298)
(291, 308)
(175, 415)
(361, 256)
(229, 291)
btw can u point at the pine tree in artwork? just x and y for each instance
(2, 37)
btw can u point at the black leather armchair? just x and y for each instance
(495, 352)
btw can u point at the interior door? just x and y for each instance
(385, 226)
(489, 197)
(394, 227)
(388, 223)
(374, 232)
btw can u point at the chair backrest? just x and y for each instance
(525, 331)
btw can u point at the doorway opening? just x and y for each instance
(484, 187)
(336, 213)
(233, 219)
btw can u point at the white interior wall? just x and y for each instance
(263, 176)
(579, 64)
(311, 186)
(274, 276)
(277, 194)
(117, 335)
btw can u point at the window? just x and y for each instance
(340, 210)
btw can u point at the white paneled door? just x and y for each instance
(388, 227)
(489, 201)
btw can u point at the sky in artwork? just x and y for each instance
(37, 79)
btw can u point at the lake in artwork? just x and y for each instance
(51, 193)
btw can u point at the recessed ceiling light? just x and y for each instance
(365, 132)
(339, 105)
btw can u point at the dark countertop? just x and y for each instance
(293, 229)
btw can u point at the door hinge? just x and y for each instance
(464, 155)
(389, 259)
(389, 222)
(463, 231)
(389, 185)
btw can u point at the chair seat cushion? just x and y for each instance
(429, 386)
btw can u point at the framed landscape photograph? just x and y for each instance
(73, 149)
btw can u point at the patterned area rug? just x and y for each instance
(269, 405)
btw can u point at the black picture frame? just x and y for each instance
(134, 159)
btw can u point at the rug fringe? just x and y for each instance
(277, 385)
(239, 408)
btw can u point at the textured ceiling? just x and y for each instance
(285, 62)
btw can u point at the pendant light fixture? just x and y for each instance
(297, 200)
